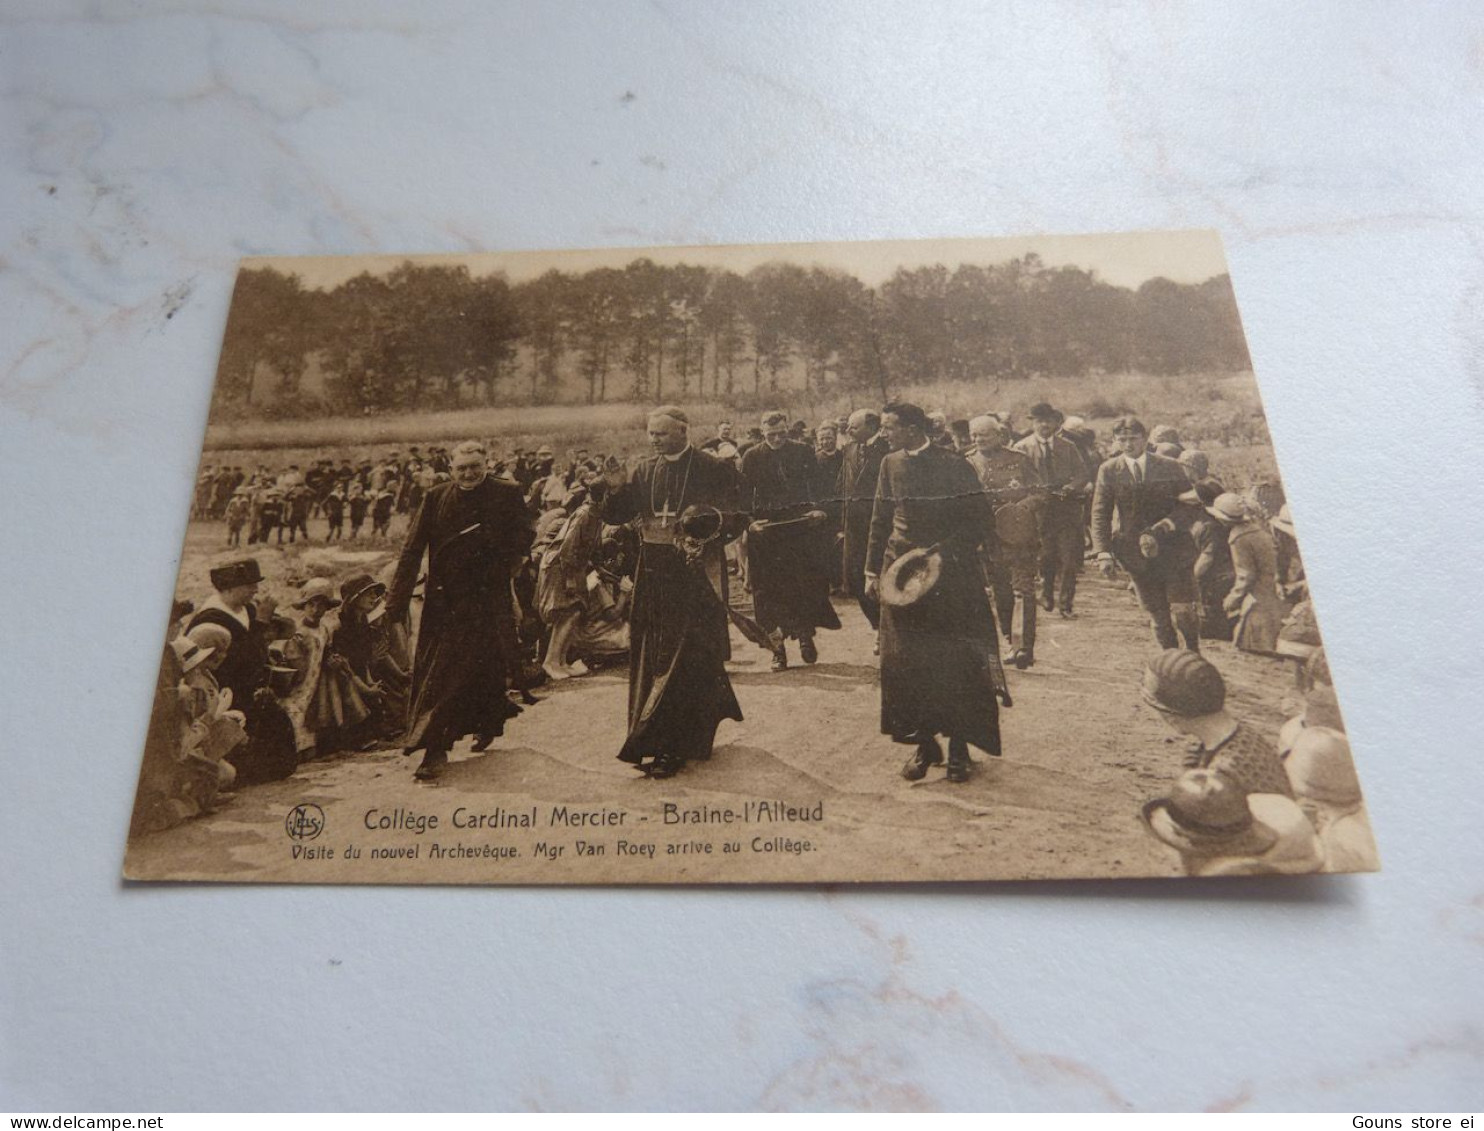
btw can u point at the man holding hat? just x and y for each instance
(940, 671)
(473, 531)
(679, 643)
(1141, 489)
(860, 468)
(1063, 472)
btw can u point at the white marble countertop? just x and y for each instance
(144, 147)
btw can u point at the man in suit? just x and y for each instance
(1064, 473)
(860, 467)
(1142, 488)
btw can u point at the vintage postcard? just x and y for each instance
(951, 560)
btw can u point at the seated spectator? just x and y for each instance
(1190, 695)
(1221, 831)
(1323, 777)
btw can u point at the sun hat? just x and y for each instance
(1320, 768)
(1229, 507)
(1207, 814)
(317, 589)
(911, 577)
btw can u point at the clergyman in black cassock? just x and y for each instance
(790, 555)
(939, 664)
(473, 530)
(679, 645)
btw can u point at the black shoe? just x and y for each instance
(666, 767)
(482, 742)
(1023, 660)
(807, 651)
(928, 754)
(434, 763)
(958, 761)
(780, 659)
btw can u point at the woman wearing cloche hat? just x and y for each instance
(1253, 601)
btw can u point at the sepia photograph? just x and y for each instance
(802, 563)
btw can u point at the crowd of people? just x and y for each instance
(951, 536)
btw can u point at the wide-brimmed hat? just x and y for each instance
(232, 574)
(1283, 521)
(1207, 814)
(1320, 768)
(355, 586)
(1181, 682)
(188, 652)
(700, 521)
(317, 589)
(1229, 507)
(911, 577)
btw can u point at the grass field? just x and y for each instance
(1220, 412)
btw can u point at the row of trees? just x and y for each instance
(426, 336)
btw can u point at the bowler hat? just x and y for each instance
(1207, 814)
(1043, 411)
(911, 577)
(233, 574)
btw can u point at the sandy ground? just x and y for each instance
(1082, 754)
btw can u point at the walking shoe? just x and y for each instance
(664, 767)
(1022, 660)
(434, 763)
(958, 761)
(928, 754)
(780, 659)
(1067, 614)
(807, 651)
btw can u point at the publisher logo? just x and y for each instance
(304, 822)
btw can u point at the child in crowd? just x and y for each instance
(358, 503)
(304, 651)
(237, 508)
(334, 507)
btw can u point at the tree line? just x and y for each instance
(434, 336)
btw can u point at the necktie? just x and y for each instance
(1138, 473)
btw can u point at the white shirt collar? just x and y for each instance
(1142, 462)
(926, 444)
(677, 455)
(215, 602)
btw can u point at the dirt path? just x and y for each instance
(1081, 755)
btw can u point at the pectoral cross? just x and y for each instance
(665, 514)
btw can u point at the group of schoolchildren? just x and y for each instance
(246, 694)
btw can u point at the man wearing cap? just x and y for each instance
(270, 752)
(1141, 489)
(473, 530)
(788, 543)
(940, 671)
(1063, 472)
(860, 467)
(678, 686)
(1010, 479)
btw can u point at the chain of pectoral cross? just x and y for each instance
(668, 513)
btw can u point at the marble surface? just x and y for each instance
(144, 147)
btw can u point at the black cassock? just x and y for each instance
(939, 667)
(464, 657)
(678, 686)
(791, 561)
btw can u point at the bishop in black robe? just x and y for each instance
(679, 643)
